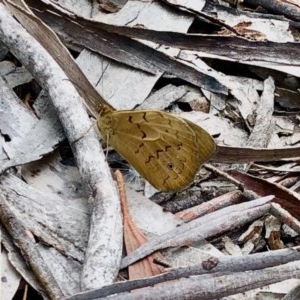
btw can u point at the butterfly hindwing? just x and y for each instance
(206, 143)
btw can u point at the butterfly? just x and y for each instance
(165, 149)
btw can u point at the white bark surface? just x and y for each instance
(105, 242)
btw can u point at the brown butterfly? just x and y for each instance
(165, 149)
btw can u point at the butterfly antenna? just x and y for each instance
(94, 123)
(102, 75)
(107, 140)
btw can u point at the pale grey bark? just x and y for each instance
(105, 242)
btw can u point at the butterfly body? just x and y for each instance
(165, 149)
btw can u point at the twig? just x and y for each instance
(227, 199)
(105, 238)
(25, 242)
(213, 265)
(221, 220)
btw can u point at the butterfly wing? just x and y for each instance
(205, 142)
(163, 148)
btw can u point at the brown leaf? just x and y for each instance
(289, 200)
(134, 238)
(237, 154)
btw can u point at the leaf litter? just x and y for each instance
(231, 69)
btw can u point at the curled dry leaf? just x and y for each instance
(134, 238)
(286, 198)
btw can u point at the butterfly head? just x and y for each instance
(104, 120)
